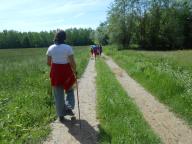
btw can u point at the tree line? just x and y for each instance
(148, 24)
(15, 39)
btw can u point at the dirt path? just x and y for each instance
(171, 129)
(69, 132)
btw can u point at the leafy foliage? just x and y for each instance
(79, 37)
(156, 24)
(15, 39)
(101, 35)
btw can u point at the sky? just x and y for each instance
(45, 15)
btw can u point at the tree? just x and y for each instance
(101, 35)
(14, 39)
(153, 25)
(121, 19)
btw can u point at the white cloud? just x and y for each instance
(79, 15)
(40, 14)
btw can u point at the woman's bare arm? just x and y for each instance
(49, 60)
(72, 63)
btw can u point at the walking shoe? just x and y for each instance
(69, 112)
(61, 118)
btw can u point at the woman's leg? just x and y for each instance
(59, 100)
(70, 99)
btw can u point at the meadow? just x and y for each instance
(26, 106)
(167, 75)
(121, 121)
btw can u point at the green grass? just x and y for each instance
(81, 56)
(167, 75)
(120, 119)
(24, 94)
(180, 58)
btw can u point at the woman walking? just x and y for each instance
(63, 74)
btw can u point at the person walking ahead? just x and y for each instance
(63, 69)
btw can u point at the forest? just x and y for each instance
(148, 24)
(15, 39)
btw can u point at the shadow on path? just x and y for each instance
(86, 135)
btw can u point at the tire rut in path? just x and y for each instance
(171, 129)
(69, 132)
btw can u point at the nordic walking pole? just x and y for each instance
(50, 93)
(50, 98)
(78, 102)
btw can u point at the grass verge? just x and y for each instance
(82, 57)
(120, 119)
(167, 75)
(26, 106)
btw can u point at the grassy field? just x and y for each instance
(167, 75)
(25, 111)
(120, 119)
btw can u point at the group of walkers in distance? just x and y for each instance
(96, 50)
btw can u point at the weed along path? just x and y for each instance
(69, 132)
(171, 129)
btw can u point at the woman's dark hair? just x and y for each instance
(60, 37)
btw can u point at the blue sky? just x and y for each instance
(38, 15)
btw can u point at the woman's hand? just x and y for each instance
(72, 63)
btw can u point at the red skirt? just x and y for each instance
(62, 75)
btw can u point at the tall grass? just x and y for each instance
(180, 58)
(120, 119)
(167, 75)
(81, 57)
(26, 106)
